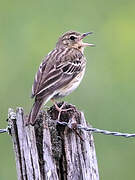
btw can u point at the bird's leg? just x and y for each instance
(60, 109)
(56, 106)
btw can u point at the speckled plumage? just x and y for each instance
(60, 72)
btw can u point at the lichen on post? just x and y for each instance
(52, 151)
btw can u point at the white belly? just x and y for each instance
(69, 88)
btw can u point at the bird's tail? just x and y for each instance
(34, 112)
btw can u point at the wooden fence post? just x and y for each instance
(50, 151)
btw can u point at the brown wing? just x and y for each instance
(44, 67)
(60, 74)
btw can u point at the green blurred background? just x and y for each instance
(30, 29)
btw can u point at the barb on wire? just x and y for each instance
(90, 129)
(96, 130)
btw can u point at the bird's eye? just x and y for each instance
(72, 37)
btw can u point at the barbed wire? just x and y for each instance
(89, 129)
(96, 130)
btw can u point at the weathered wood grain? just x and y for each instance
(49, 151)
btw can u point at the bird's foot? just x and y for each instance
(61, 109)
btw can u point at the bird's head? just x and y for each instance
(73, 39)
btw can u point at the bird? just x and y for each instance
(60, 72)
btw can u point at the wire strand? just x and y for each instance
(101, 131)
(3, 130)
(89, 129)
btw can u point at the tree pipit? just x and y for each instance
(60, 72)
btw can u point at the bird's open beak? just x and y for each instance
(83, 36)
